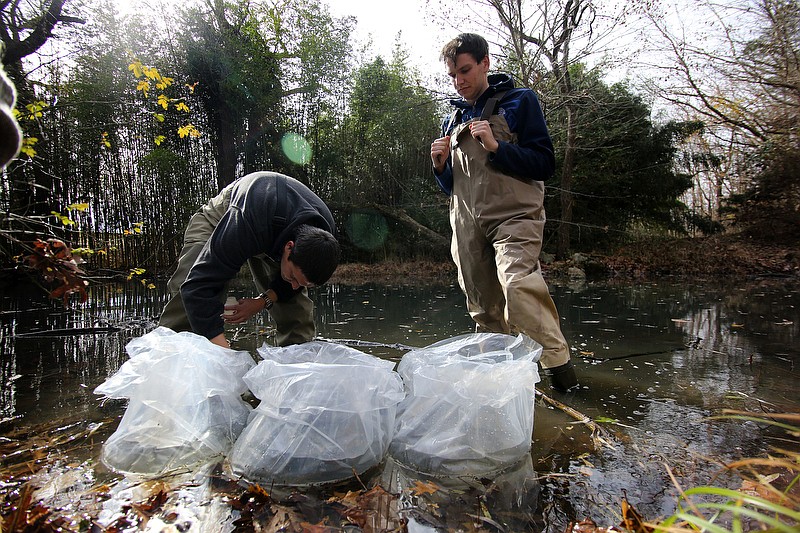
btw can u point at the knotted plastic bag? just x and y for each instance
(185, 402)
(327, 412)
(469, 404)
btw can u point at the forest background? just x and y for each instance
(132, 122)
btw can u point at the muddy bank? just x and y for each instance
(722, 258)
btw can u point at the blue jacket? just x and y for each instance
(531, 156)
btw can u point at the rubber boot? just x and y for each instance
(562, 377)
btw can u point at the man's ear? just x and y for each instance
(485, 62)
(288, 247)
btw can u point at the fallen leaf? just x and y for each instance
(427, 487)
(631, 520)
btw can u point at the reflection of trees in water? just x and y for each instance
(53, 356)
(665, 397)
(743, 341)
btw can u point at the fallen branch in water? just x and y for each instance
(600, 435)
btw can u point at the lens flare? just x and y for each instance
(367, 230)
(296, 148)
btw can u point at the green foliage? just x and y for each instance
(388, 132)
(625, 178)
(392, 122)
(239, 85)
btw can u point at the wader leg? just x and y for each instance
(477, 275)
(530, 308)
(173, 315)
(294, 319)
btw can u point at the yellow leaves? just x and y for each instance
(27, 146)
(64, 219)
(35, 110)
(79, 253)
(136, 273)
(136, 67)
(32, 112)
(132, 273)
(135, 230)
(188, 130)
(164, 82)
(151, 73)
(143, 86)
(148, 78)
(104, 140)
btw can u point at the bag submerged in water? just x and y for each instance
(469, 404)
(185, 402)
(327, 412)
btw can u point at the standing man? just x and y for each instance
(286, 235)
(493, 156)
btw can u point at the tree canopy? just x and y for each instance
(132, 122)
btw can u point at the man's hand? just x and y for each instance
(481, 130)
(243, 310)
(440, 151)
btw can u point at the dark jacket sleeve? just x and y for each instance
(532, 156)
(233, 241)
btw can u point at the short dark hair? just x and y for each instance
(316, 252)
(466, 43)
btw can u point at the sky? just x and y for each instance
(381, 22)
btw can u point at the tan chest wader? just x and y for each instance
(498, 224)
(294, 319)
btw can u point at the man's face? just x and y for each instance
(470, 77)
(291, 272)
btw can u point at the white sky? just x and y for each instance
(381, 21)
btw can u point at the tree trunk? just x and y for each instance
(226, 148)
(562, 250)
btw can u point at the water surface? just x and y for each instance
(655, 361)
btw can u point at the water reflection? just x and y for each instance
(657, 359)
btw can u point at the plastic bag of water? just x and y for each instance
(185, 402)
(469, 404)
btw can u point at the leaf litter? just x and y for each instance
(43, 490)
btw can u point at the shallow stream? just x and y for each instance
(655, 361)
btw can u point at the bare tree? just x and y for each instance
(26, 26)
(739, 72)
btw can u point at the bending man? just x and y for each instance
(286, 235)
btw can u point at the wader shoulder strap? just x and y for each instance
(490, 105)
(455, 118)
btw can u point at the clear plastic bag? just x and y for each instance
(327, 412)
(469, 404)
(185, 402)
